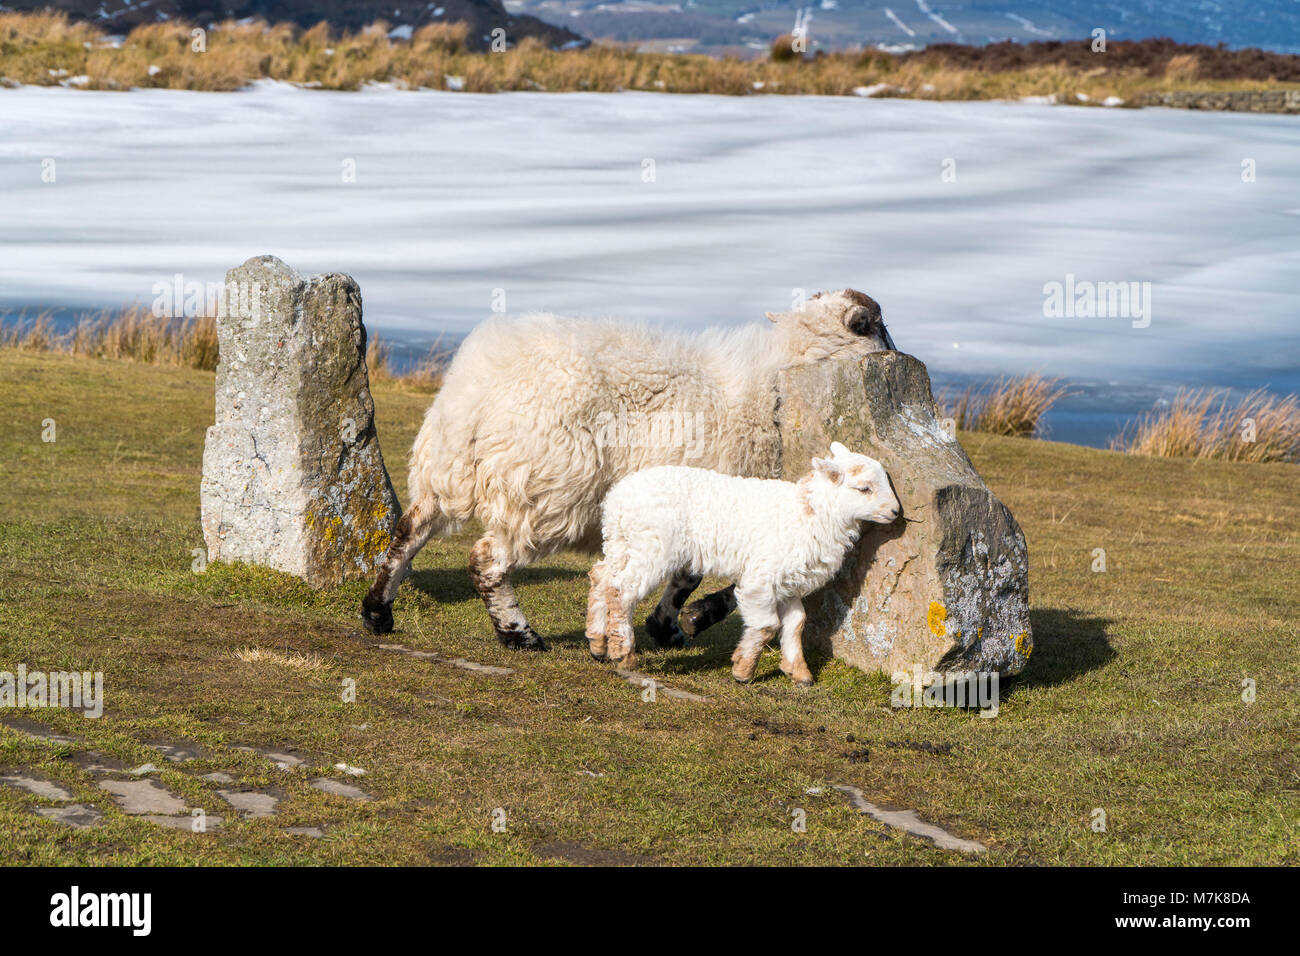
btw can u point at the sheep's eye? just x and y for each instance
(865, 490)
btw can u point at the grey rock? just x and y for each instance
(143, 796)
(35, 785)
(39, 731)
(218, 776)
(177, 753)
(314, 832)
(339, 788)
(76, 815)
(293, 477)
(281, 761)
(178, 822)
(93, 762)
(948, 588)
(252, 803)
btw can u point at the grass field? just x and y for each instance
(1132, 702)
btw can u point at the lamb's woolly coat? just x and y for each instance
(778, 540)
(520, 434)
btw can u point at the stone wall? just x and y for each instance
(1241, 101)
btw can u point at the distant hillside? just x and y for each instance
(911, 24)
(483, 16)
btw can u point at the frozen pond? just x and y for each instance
(545, 196)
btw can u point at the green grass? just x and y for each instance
(1131, 703)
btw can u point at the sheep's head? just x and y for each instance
(842, 324)
(857, 485)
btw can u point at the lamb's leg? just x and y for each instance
(708, 610)
(792, 662)
(410, 535)
(621, 639)
(661, 625)
(761, 622)
(597, 612)
(489, 568)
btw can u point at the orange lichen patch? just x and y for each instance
(1024, 645)
(938, 614)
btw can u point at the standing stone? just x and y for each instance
(292, 473)
(948, 588)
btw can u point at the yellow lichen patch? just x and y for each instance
(1023, 645)
(938, 614)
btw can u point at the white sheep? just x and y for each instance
(538, 416)
(778, 540)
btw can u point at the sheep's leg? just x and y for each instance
(708, 610)
(792, 662)
(489, 569)
(598, 612)
(662, 625)
(410, 535)
(761, 622)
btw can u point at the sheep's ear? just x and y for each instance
(828, 468)
(774, 316)
(838, 450)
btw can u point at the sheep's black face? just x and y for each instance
(864, 318)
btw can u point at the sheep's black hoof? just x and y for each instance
(522, 639)
(663, 630)
(376, 615)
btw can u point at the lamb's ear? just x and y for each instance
(773, 316)
(828, 468)
(838, 450)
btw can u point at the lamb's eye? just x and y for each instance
(865, 490)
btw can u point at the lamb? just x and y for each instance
(778, 540)
(538, 416)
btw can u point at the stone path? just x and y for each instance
(488, 669)
(339, 788)
(637, 679)
(908, 821)
(139, 796)
(35, 786)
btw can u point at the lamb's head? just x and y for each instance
(843, 324)
(855, 485)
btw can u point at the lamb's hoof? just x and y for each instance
(598, 655)
(522, 639)
(664, 631)
(741, 680)
(804, 683)
(376, 615)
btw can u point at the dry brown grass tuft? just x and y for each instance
(1183, 68)
(136, 335)
(425, 375)
(1011, 407)
(1200, 424)
(132, 333)
(299, 662)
